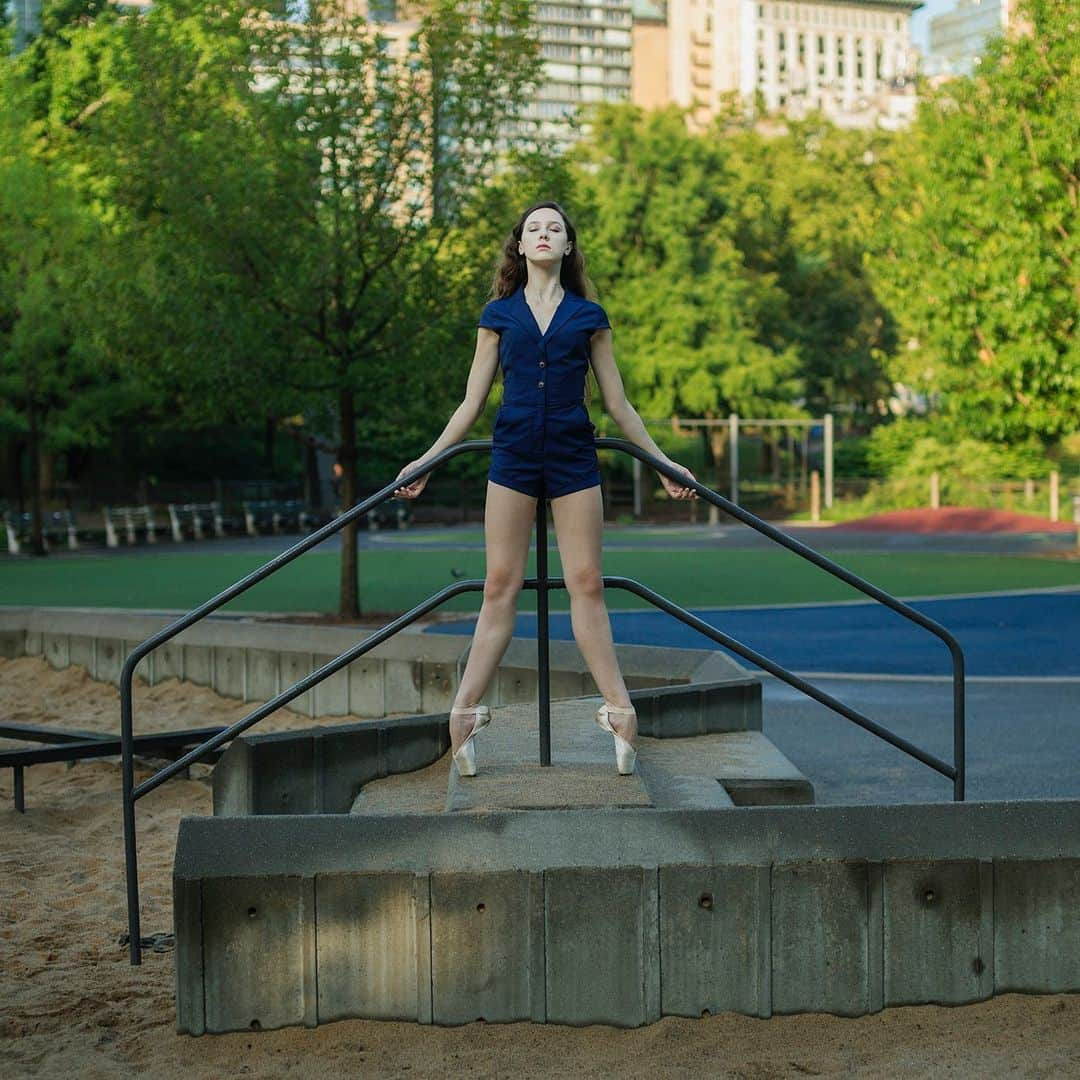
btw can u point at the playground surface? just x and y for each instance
(74, 1007)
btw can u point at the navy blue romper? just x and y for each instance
(543, 440)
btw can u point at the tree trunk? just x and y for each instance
(37, 536)
(349, 601)
(312, 480)
(269, 431)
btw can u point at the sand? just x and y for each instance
(72, 1006)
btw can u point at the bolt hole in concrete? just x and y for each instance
(479, 907)
(706, 900)
(252, 913)
(929, 897)
(256, 1026)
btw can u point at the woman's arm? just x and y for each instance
(624, 414)
(481, 375)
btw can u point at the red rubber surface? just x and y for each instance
(956, 519)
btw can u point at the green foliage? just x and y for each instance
(979, 238)
(910, 448)
(904, 454)
(851, 457)
(58, 388)
(688, 316)
(804, 204)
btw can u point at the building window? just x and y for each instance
(821, 44)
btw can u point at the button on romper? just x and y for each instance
(543, 440)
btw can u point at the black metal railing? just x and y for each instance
(542, 584)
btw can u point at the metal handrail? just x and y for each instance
(541, 583)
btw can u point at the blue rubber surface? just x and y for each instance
(1033, 634)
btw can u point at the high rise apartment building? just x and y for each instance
(850, 59)
(586, 49)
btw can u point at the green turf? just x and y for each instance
(397, 580)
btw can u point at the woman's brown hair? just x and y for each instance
(512, 271)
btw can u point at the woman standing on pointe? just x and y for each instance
(545, 332)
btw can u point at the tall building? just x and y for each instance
(586, 49)
(850, 59)
(27, 15)
(958, 38)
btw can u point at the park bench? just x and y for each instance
(261, 515)
(131, 517)
(196, 516)
(56, 523)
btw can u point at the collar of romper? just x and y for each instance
(522, 313)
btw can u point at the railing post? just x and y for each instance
(543, 670)
(828, 461)
(733, 455)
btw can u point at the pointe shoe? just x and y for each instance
(625, 754)
(465, 755)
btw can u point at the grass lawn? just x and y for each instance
(398, 580)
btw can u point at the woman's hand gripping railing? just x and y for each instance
(127, 727)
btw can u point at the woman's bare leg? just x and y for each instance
(508, 522)
(579, 527)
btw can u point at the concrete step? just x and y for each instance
(565, 785)
(713, 771)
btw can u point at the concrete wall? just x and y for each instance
(538, 916)
(252, 660)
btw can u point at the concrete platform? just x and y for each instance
(402, 766)
(528, 786)
(621, 916)
(709, 771)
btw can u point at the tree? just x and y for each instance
(806, 204)
(662, 248)
(309, 178)
(979, 245)
(57, 387)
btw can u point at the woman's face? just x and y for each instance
(543, 236)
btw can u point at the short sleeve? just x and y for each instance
(490, 317)
(598, 319)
